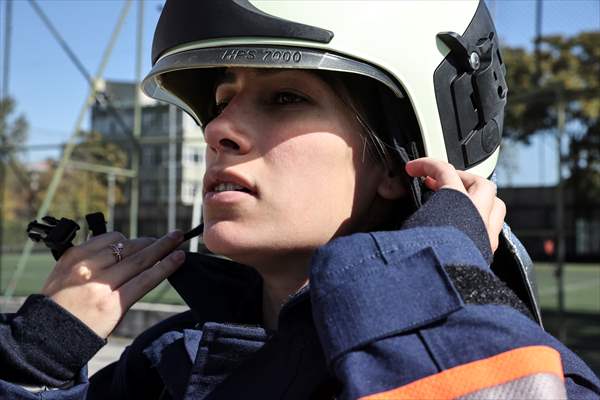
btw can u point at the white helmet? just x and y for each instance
(441, 56)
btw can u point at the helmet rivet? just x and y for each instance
(474, 60)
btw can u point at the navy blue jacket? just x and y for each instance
(414, 313)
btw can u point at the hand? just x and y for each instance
(89, 282)
(482, 192)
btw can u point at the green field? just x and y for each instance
(582, 283)
(39, 266)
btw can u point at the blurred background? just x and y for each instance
(77, 137)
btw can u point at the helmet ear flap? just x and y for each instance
(471, 91)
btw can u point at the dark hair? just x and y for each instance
(390, 127)
(389, 122)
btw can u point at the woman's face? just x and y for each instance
(287, 168)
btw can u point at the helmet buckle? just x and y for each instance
(467, 57)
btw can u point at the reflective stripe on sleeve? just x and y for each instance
(490, 372)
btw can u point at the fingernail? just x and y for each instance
(176, 234)
(178, 255)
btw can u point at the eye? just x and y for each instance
(287, 98)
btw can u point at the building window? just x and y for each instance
(148, 155)
(164, 191)
(192, 155)
(148, 192)
(158, 160)
(164, 120)
(587, 234)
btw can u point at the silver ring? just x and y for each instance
(117, 250)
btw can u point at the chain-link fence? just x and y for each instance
(553, 116)
(98, 177)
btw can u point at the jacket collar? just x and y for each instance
(220, 290)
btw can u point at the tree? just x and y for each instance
(568, 68)
(14, 183)
(81, 192)
(13, 130)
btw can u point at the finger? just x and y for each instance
(468, 179)
(134, 289)
(442, 172)
(431, 183)
(96, 243)
(145, 258)
(481, 191)
(92, 246)
(496, 222)
(109, 256)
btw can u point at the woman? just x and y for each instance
(333, 290)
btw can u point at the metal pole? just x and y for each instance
(110, 201)
(538, 38)
(196, 217)
(172, 167)
(62, 43)
(137, 127)
(68, 150)
(560, 208)
(7, 40)
(101, 169)
(2, 191)
(536, 78)
(3, 102)
(2, 50)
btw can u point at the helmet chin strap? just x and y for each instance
(197, 231)
(419, 194)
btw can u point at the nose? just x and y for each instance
(227, 133)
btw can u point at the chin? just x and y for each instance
(229, 239)
(254, 246)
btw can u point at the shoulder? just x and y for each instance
(134, 356)
(177, 322)
(134, 375)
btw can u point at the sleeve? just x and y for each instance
(417, 313)
(44, 351)
(45, 347)
(44, 344)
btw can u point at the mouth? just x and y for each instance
(229, 187)
(222, 182)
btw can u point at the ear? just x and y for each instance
(391, 186)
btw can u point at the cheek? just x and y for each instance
(314, 173)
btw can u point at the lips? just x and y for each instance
(225, 181)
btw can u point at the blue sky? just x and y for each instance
(50, 91)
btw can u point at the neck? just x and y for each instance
(278, 285)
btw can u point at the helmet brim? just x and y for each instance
(172, 77)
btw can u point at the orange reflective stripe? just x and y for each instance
(477, 375)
